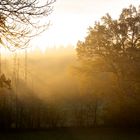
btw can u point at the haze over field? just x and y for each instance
(76, 77)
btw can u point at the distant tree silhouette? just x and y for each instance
(5, 82)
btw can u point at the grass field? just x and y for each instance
(74, 134)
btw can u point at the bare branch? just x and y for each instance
(21, 19)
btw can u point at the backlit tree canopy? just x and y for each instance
(111, 35)
(117, 42)
(22, 19)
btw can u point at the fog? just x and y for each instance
(52, 70)
(49, 74)
(56, 89)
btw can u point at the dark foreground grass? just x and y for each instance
(73, 134)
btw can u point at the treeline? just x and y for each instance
(30, 112)
(86, 110)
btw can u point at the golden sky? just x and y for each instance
(71, 18)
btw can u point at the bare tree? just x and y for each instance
(20, 20)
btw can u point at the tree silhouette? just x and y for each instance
(20, 20)
(117, 43)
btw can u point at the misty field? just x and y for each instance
(87, 90)
(74, 134)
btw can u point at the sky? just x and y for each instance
(71, 18)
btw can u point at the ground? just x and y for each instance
(74, 134)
